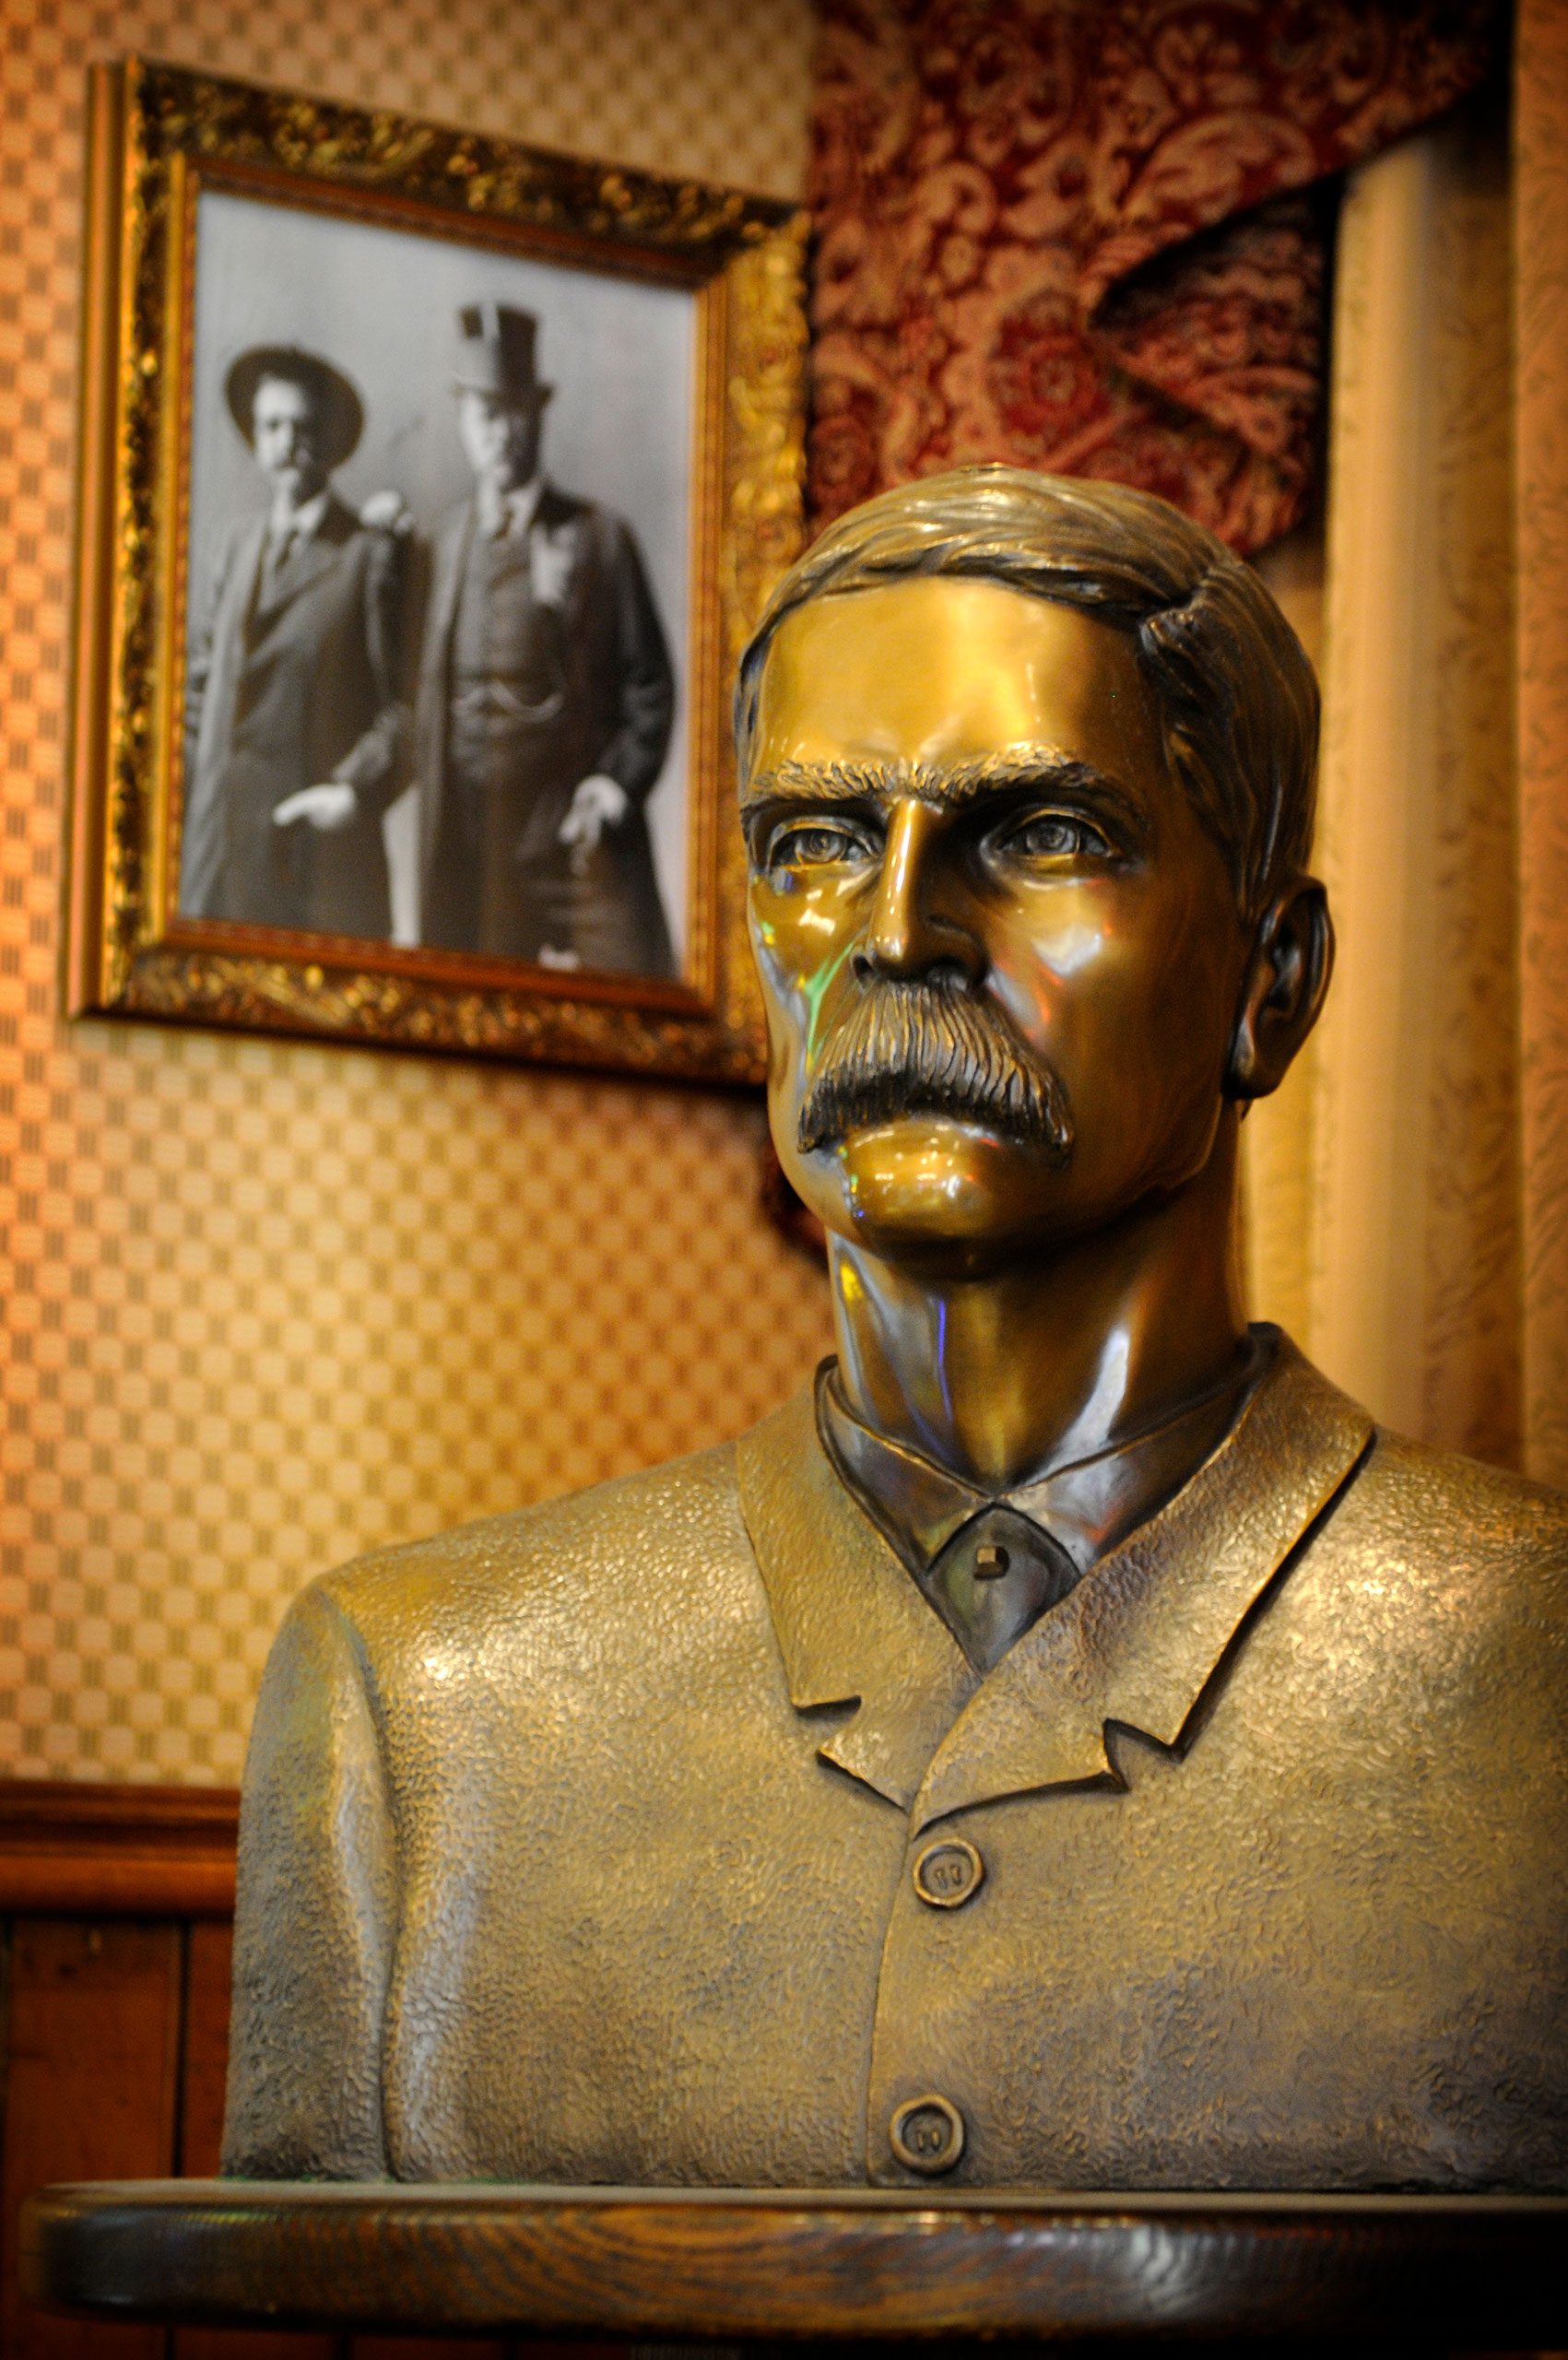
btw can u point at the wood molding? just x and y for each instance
(117, 1851)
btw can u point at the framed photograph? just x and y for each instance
(430, 485)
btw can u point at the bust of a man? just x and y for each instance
(1067, 1745)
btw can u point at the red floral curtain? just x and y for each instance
(1079, 235)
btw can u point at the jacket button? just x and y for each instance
(948, 1873)
(926, 2135)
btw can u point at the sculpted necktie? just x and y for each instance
(997, 1577)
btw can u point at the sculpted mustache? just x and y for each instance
(934, 1049)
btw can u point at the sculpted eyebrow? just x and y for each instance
(828, 782)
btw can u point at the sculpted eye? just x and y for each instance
(1055, 836)
(816, 843)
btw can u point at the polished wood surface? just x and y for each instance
(115, 1959)
(117, 1851)
(655, 2264)
(94, 2021)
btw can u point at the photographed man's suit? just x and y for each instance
(592, 1843)
(527, 687)
(294, 684)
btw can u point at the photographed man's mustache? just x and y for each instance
(934, 1047)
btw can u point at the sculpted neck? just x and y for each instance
(1060, 1355)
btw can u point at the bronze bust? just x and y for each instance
(1069, 1744)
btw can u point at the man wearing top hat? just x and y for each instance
(293, 727)
(545, 696)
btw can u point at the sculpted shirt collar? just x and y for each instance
(992, 1563)
(1135, 1645)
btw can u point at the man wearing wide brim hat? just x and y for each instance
(294, 728)
(545, 698)
(338, 412)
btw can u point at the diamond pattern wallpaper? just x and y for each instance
(263, 1303)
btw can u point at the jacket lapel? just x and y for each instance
(204, 836)
(452, 556)
(1139, 1639)
(449, 558)
(1135, 1644)
(308, 562)
(852, 1626)
(240, 587)
(557, 519)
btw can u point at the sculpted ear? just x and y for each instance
(1283, 991)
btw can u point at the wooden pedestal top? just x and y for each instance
(671, 2264)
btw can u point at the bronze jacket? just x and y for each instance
(582, 1844)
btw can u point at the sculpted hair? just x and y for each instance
(1236, 695)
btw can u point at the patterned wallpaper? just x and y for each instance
(264, 1304)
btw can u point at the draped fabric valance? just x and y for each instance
(1077, 234)
(1084, 237)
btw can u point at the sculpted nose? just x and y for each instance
(911, 929)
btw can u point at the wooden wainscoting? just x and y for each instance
(116, 1922)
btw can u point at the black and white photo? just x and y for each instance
(431, 482)
(438, 600)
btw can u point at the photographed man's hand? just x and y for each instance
(328, 808)
(598, 802)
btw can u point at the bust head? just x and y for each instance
(1027, 777)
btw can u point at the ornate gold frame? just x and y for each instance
(158, 135)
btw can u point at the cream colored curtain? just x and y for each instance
(1386, 1224)
(1541, 337)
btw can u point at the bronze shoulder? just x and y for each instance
(1461, 1515)
(1433, 1607)
(608, 1554)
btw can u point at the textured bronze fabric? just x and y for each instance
(568, 1853)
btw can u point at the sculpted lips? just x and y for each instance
(933, 1048)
